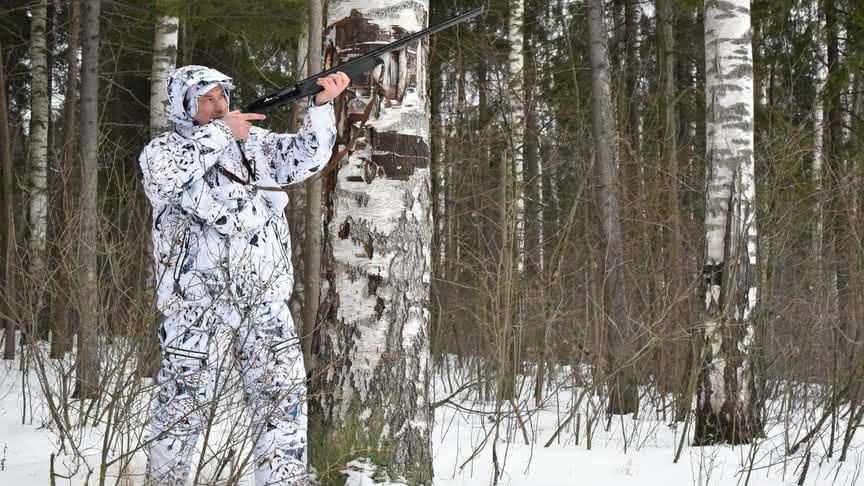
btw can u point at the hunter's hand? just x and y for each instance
(240, 123)
(333, 85)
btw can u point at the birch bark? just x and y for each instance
(726, 402)
(164, 61)
(371, 386)
(38, 148)
(517, 122)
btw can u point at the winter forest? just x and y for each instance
(567, 242)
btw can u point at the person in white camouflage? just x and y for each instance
(223, 268)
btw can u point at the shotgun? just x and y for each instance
(353, 68)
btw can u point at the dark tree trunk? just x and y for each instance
(63, 307)
(9, 255)
(87, 384)
(623, 394)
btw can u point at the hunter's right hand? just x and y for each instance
(240, 123)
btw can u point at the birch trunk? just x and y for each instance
(62, 311)
(517, 122)
(313, 230)
(87, 385)
(820, 67)
(372, 392)
(623, 394)
(165, 45)
(726, 402)
(38, 153)
(9, 248)
(164, 61)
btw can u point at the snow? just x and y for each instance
(629, 453)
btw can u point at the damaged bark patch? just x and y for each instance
(379, 308)
(368, 248)
(368, 172)
(374, 282)
(345, 229)
(357, 35)
(398, 155)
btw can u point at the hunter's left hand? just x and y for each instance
(333, 85)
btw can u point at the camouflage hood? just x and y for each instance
(186, 84)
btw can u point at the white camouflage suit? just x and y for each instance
(223, 268)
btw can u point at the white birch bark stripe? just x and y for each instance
(164, 61)
(38, 150)
(729, 127)
(517, 120)
(821, 74)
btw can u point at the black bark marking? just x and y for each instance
(397, 154)
(379, 308)
(374, 283)
(368, 247)
(358, 36)
(345, 229)
(713, 274)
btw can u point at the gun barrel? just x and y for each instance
(352, 68)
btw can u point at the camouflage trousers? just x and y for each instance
(263, 347)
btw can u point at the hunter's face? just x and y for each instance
(212, 105)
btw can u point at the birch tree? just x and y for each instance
(38, 147)
(372, 381)
(164, 61)
(726, 402)
(623, 394)
(516, 98)
(165, 46)
(87, 385)
(820, 71)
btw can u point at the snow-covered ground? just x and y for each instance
(629, 453)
